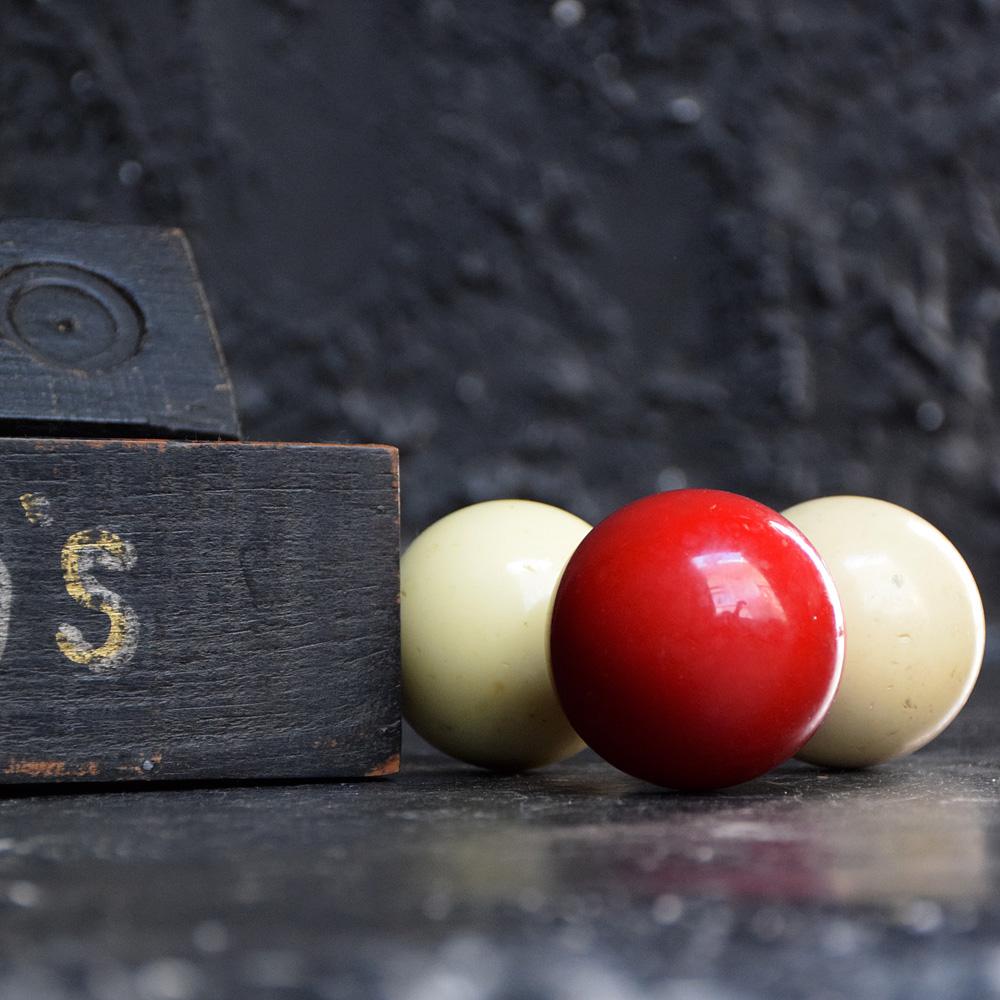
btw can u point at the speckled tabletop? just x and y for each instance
(572, 882)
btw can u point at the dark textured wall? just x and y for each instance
(575, 251)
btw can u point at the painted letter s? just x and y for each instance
(82, 553)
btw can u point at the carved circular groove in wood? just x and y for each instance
(68, 317)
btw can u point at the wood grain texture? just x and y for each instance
(257, 585)
(108, 325)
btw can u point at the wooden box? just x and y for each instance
(105, 330)
(195, 610)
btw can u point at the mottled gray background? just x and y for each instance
(577, 251)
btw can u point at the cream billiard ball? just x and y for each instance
(913, 623)
(476, 596)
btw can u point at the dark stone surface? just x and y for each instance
(577, 251)
(572, 883)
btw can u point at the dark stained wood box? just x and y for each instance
(107, 327)
(197, 610)
(174, 609)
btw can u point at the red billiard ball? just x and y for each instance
(696, 639)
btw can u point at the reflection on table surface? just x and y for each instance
(573, 881)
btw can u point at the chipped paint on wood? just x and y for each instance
(389, 766)
(51, 769)
(145, 768)
(159, 444)
(82, 552)
(36, 509)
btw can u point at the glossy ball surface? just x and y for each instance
(696, 639)
(914, 623)
(476, 595)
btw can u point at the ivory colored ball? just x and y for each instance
(913, 623)
(476, 594)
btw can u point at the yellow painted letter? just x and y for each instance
(81, 554)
